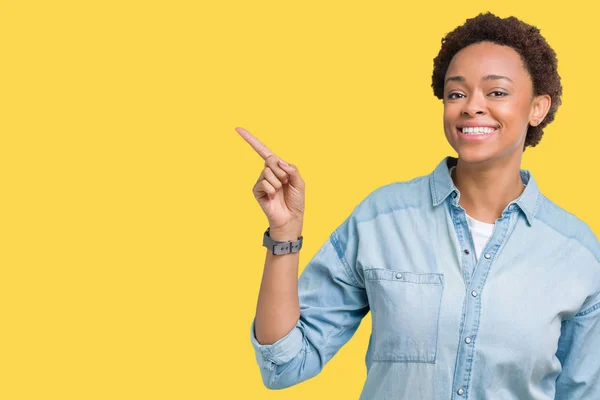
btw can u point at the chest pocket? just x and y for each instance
(405, 309)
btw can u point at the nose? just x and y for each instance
(475, 105)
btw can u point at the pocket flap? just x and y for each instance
(375, 274)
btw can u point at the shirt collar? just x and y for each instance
(442, 186)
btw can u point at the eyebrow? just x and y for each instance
(460, 78)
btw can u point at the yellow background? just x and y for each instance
(131, 244)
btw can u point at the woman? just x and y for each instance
(479, 286)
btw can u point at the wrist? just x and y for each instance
(284, 234)
(282, 242)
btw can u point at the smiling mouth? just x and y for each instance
(473, 131)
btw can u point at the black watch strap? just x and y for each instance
(278, 247)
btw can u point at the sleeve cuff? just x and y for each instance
(283, 350)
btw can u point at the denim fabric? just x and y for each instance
(522, 322)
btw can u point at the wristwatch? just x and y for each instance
(278, 247)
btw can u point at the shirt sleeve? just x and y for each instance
(333, 302)
(579, 354)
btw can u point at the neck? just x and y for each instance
(486, 190)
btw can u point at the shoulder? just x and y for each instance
(568, 225)
(392, 197)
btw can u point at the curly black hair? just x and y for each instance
(538, 57)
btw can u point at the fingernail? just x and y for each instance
(283, 163)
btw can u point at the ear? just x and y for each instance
(540, 105)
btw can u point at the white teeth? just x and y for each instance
(477, 130)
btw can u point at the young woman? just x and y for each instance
(479, 286)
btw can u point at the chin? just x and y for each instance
(475, 155)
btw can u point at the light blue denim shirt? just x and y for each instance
(522, 322)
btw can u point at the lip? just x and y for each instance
(476, 138)
(474, 124)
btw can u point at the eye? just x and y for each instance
(451, 95)
(499, 94)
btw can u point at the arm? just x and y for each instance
(332, 305)
(278, 310)
(579, 354)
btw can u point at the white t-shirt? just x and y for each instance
(480, 231)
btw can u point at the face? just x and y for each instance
(488, 104)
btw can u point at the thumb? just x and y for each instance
(292, 171)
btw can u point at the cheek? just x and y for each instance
(451, 114)
(512, 113)
(504, 112)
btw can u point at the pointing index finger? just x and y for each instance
(256, 144)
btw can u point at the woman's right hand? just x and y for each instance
(279, 189)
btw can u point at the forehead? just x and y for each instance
(485, 58)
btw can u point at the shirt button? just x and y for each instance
(398, 275)
(487, 255)
(474, 293)
(466, 251)
(460, 391)
(468, 340)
